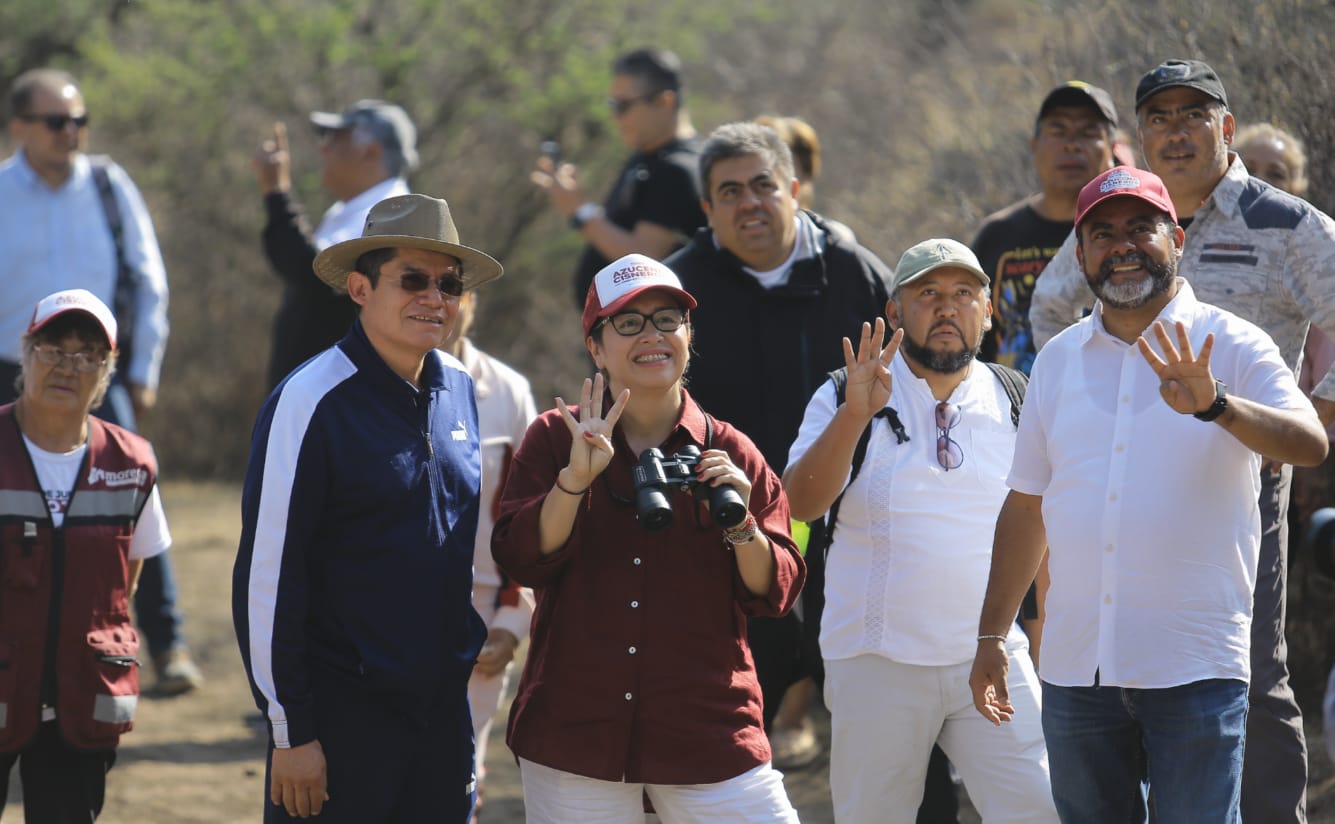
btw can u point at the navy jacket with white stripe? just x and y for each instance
(359, 513)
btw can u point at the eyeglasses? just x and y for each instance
(620, 106)
(448, 285)
(54, 356)
(56, 122)
(948, 452)
(628, 324)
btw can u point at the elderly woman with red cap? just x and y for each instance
(639, 679)
(79, 513)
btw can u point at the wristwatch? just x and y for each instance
(1220, 403)
(585, 213)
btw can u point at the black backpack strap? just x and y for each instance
(1014, 382)
(123, 302)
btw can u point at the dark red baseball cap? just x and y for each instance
(1124, 181)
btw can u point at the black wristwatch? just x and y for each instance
(1220, 403)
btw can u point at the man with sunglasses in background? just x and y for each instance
(654, 206)
(926, 433)
(1268, 257)
(352, 586)
(366, 154)
(71, 221)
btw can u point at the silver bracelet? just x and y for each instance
(1001, 638)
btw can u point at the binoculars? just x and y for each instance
(654, 477)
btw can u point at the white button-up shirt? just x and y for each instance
(1151, 516)
(912, 548)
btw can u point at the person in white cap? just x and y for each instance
(910, 459)
(639, 678)
(80, 510)
(351, 592)
(366, 153)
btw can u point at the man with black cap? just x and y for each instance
(352, 585)
(1267, 257)
(1137, 469)
(1072, 143)
(366, 153)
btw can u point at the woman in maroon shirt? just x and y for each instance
(638, 676)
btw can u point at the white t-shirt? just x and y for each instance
(57, 473)
(1151, 516)
(908, 568)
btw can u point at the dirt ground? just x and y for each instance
(196, 760)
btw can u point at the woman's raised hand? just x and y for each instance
(591, 435)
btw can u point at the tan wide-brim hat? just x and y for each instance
(411, 222)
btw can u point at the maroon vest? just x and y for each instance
(66, 639)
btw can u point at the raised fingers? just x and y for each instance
(888, 353)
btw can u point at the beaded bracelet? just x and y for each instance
(991, 638)
(742, 534)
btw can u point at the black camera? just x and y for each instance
(654, 477)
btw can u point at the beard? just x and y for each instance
(1134, 294)
(947, 363)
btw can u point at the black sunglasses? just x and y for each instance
(620, 106)
(56, 122)
(449, 285)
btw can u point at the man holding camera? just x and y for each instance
(910, 551)
(654, 206)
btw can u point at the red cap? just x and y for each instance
(620, 281)
(1124, 181)
(74, 300)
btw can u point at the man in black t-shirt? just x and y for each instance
(1072, 144)
(654, 205)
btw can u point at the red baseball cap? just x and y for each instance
(620, 281)
(1124, 181)
(74, 300)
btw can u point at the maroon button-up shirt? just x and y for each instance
(638, 668)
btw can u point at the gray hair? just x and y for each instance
(745, 140)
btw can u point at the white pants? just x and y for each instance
(886, 716)
(552, 796)
(485, 692)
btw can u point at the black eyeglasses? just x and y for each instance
(628, 324)
(448, 285)
(54, 356)
(56, 122)
(948, 452)
(620, 106)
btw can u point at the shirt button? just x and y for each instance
(628, 696)
(637, 562)
(1121, 448)
(631, 650)
(634, 604)
(1126, 399)
(1112, 497)
(1107, 599)
(1108, 548)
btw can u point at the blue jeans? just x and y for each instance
(1105, 744)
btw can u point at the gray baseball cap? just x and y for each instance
(387, 123)
(936, 253)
